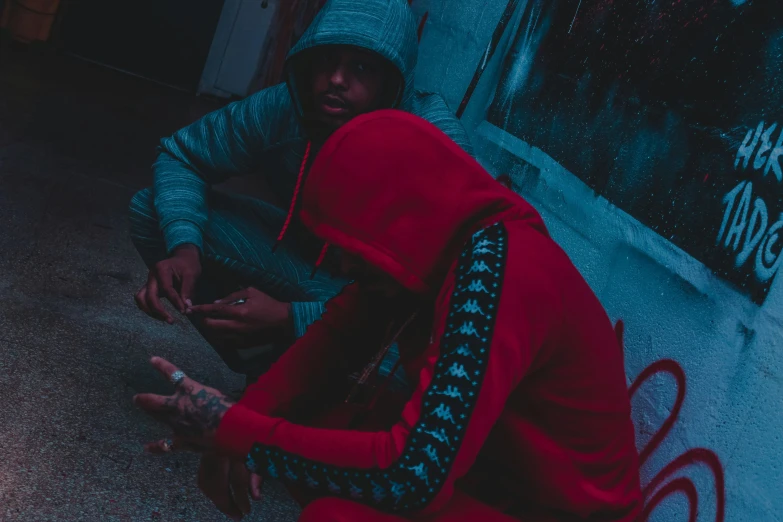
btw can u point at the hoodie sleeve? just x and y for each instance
(501, 310)
(327, 348)
(433, 108)
(222, 144)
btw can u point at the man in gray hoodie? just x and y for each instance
(357, 56)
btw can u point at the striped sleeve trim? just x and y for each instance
(304, 314)
(182, 232)
(416, 478)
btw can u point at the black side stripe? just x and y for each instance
(416, 478)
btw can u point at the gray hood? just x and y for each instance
(386, 27)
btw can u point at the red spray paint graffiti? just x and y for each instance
(658, 489)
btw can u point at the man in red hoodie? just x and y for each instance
(520, 409)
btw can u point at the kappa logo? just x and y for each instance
(443, 412)
(452, 393)
(421, 472)
(477, 286)
(471, 307)
(467, 328)
(432, 454)
(457, 370)
(480, 267)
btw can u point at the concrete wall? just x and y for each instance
(704, 355)
(456, 37)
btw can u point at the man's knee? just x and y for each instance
(141, 213)
(329, 509)
(142, 204)
(144, 228)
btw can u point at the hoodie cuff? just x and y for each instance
(259, 400)
(304, 314)
(240, 429)
(182, 232)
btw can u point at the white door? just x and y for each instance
(236, 49)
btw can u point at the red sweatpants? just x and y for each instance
(461, 508)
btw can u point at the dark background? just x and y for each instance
(163, 40)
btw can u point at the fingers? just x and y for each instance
(144, 304)
(165, 409)
(163, 446)
(239, 478)
(225, 325)
(213, 481)
(187, 288)
(256, 481)
(141, 300)
(151, 403)
(230, 298)
(153, 303)
(223, 310)
(166, 279)
(159, 447)
(165, 368)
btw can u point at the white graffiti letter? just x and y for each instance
(767, 261)
(748, 145)
(773, 162)
(740, 220)
(752, 239)
(728, 200)
(766, 145)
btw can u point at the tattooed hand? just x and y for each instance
(194, 411)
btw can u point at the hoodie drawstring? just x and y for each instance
(292, 208)
(295, 197)
(321, 258)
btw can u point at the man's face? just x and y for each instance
(346, 82)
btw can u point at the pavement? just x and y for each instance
(76, 142)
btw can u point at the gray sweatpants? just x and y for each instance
(238, 241)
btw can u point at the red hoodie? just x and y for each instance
(520, 391)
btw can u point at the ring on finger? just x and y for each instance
(177, 377)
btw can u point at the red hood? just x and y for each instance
(393, 189)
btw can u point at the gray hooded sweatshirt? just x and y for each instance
(264, 133)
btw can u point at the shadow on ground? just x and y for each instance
(76, 141)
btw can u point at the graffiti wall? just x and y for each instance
(672, 480)
(671, 110)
